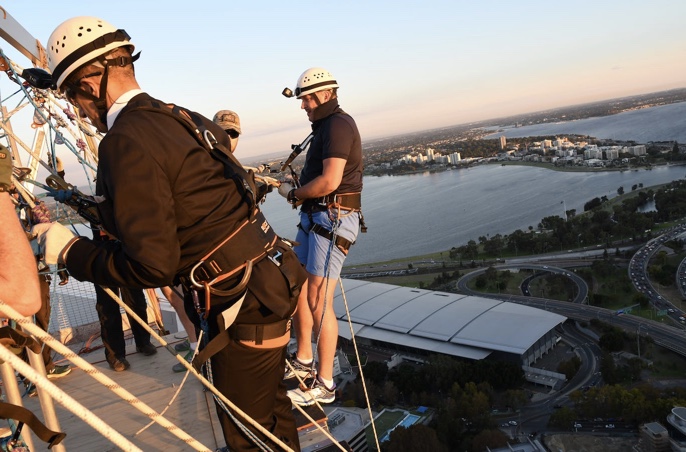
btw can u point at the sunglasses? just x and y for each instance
(232, 133)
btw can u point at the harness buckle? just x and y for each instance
(191, 275)
(276, 258)
(209, 138)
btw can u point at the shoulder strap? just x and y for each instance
(244, 180)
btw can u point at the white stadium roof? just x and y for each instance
(453, 324)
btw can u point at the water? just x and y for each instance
(426, 213)
(662, 123)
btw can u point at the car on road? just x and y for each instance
(512, 422)
(577, 425)
(609, 425)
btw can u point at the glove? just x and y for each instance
(60, 195)
(5, 169)
(285, 188)
(52, 238)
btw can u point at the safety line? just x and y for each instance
(89, 369)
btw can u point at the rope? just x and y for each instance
(205, 326)
(56, 393)
(359, 365)
(304, 413)
(99, 376)
(327, 261)
(202, 379)
(176, 394)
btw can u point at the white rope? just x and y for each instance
(88, 368)
(62, 397)
(202, 379)
(176, 394)
(359, 364)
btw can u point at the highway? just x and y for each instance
(671, 335)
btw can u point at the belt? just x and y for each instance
(345, 201)
(241, 332)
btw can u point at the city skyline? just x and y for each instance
(402, 67)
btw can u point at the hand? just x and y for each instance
(52, 238)
(285, 188)
(5, 169)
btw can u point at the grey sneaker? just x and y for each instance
(302, 370)
(182, 346)
(178, 367)
(309, 395)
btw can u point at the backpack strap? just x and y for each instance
(244, 180)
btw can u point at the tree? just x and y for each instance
(488, 439)
(417, 437)
(376, 371)
(620, 191)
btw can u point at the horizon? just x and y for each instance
(481, 63)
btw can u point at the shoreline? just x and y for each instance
(544, 165)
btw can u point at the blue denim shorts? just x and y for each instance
(315, 252)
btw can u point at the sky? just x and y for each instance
(402, 66)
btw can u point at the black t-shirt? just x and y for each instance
(335, 136)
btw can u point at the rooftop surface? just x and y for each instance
(454, 324)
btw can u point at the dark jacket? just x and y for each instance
(166, 200)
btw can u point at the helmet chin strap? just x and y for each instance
(101, 102)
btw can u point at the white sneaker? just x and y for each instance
(308, 396)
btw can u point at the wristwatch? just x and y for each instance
(291, 198)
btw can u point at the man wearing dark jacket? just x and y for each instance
(170, 204)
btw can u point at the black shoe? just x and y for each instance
(118, 364)
(58, 371)
(147, 349)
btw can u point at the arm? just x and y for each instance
(18, 274)
(329, 180)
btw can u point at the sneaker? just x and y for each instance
(309, 395)
(302, 370)
(31, 390)
(178, 367)
(183, 346)
(58, 371)
(147, 349)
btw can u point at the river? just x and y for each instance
(426, 213)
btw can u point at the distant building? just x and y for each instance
(636, 150)
(654, 438)
(676, 424)
(503, 142)
(455, 158)
(611, 152)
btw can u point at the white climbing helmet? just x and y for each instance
(314, 79)
(79, 40)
